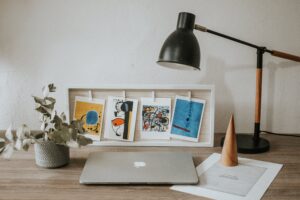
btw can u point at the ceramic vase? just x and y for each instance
(51, 155)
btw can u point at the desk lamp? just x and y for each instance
(181, 51)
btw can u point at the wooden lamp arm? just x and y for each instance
(285, 55)
(272, 52)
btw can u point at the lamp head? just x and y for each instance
(181, 49)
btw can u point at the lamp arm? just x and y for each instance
(285, 55)
(204, 29)
(272, 52)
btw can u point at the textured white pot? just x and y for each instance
(50, 155)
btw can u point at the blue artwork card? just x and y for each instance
(187, 118)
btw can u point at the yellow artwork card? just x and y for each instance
(91, 113)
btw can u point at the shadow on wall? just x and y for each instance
(275, 97)
(277, 101)
(215, 74)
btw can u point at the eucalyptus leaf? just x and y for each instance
(51, 87)
(23, 132)
(25, 147)
(26, 144)
(8, 151)
(18, 144)
(20, 132)
(39, 100)
(2, 144)
(49, 106)
(44, 111)
(60, 136)
(42, 118)
(65, 134)
(73, 133)
(53, 114)
(83, 141)
(78, 125)
(50, 99)
(45, 91)
(8, 134)
(56, 137)
(38, 135)
(58, 124)
(63, 116)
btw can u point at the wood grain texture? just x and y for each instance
(285, 55)
(21, 179)
(258, 95)
(229, 155)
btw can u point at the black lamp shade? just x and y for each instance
(181, 49)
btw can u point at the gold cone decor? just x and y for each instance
(229, 156)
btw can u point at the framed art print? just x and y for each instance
(187, 118)
(120, 118)
(90, 111)
(155, 118)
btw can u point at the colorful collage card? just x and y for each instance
(187, 118)
(120, 118)
(155, 118)
(90, 111)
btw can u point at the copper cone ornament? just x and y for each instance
(229, 156)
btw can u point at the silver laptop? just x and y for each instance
(139, 168)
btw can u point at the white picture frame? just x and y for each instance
(136, 91)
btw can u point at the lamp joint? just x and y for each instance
(261, 50)
(200, 28)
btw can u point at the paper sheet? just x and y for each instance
(249, 180)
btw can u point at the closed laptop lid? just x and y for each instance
(139, 168)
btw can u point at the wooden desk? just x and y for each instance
(20, 178)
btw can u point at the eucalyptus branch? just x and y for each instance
(53, 126)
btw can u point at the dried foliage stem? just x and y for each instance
(53, 128)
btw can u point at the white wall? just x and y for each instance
(96, 42)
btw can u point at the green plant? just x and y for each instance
(54, 128)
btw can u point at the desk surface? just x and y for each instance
(20, 178)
